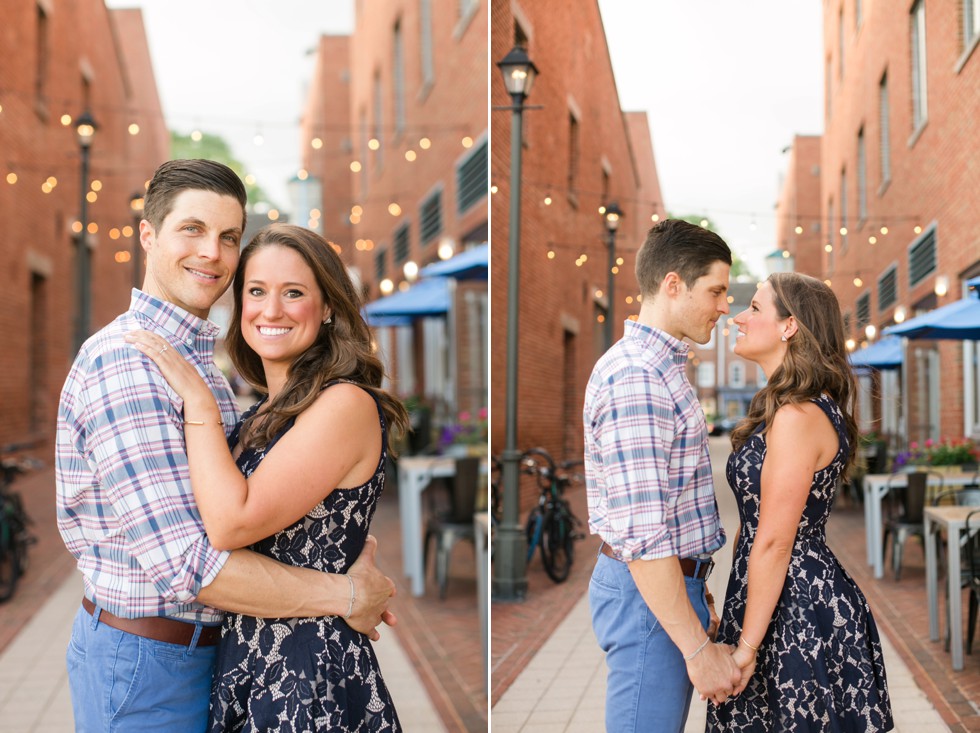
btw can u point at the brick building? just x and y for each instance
(798, 209)
(898, 186)
(395, 134)
(580, 152)
(59, 60)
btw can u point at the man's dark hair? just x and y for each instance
(175, 176)
(675, 245)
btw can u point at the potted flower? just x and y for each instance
(467, 435)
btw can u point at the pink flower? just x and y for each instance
(914, 445)
(464, 416)
(483, 413)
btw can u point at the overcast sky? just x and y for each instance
(726, 85)
(240, 68)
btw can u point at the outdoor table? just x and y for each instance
(875, 488)
(415, 473)
(953, 520)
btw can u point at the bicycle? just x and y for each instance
(551, 525)
(15, 537)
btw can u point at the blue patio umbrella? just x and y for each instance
(469, 265)
(885, 354)
(429, 297)
(959, 321)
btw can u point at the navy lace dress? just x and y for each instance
(819, 666)
(305, 674)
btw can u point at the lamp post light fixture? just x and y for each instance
(510, 564)
(136, 205)
(85, 128)
(613, 216)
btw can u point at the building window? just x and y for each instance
(706, 375)
(883, 130)
(840, 42)
(400, 246)
(888, 288)
(378, 120)
(398, 77)
(971, 21)
(425, 42)
(736, 375)
(843, 210)
(43, 53)
(573, 150)
(430, 216)
(919, 107)
(862, 165)
(828, 88)
(831, 238)
(381, 264)
(472, 174)
(922, 258)
(863, 310)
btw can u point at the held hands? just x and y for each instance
(180, 373)
(714, 672)
(745, 658)
(373, 590)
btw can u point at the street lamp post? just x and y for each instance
(613, 215)
(136, 205)
(85, 128)
(510, 564)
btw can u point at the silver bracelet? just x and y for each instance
(692, 655)
(350, 608)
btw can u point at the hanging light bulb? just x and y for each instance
(196, 136)
(799, 229)
(900, 314)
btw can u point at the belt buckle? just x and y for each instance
(710, 564)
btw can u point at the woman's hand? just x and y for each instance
(180, 373)
(745, 658)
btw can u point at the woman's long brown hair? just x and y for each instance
(815, 361)
(342, 350)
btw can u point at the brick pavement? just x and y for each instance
(439, 638)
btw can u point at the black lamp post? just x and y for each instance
(613, 215)
(136, 205)
(510, 564)
(85, 128)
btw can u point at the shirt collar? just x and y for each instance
(197, 332)
(657, 340)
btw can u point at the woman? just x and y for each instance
(805, 640)
(301, 483)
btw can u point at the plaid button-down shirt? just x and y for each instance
(125, 506)
(647, 470)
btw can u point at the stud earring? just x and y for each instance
(783, 337)
(329, 319)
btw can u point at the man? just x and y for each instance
(143, 643)
(650, 491)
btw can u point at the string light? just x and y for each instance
(467, 142)
(374, 143)
(355, 166)
(66, 120)
(134, 129)
(425, 143)
(547, 200)
(872, 239)
(394, 209)
(551, 254)
(316, 143)
(302, 174)
(828, 248)
(196, 136)
(11, 178)
(799, 229)
(410, 155)
(493, 189)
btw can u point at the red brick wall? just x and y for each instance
(559, 337)
(451, 107)
(84, 40)
(799, 206)
(934, 175)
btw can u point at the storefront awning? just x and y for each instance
(469, 265)
(428, 297)
(885, 354)
(959, 321)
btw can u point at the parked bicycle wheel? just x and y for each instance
(558, 546)
(534, 530)
(9, 558)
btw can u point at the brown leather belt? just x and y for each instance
(691, 567)
(158, 628)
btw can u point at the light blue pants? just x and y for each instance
(647, 689)
(120, 682)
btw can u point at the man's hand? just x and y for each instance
(372, 591)
(714, 672)
(713, 621)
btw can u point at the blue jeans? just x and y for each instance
(647, 686)
(120, 682)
